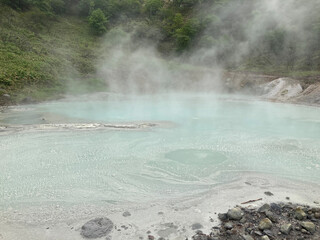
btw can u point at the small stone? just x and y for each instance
(235, 213)
(300, 214)
(196, 226)
(243, 220)
(258, 233)
(265, 224)
(304, 231)
(268, 193)
(150, 237)
(223, 216)
(309, 226)
(286, 228)
(264, 208)
(6, 95)
(317, 215)
(275, 208)
(316, 202)
(269, 233)
(126, 214)
(228, 225)
(265, 237)
(287, 198)
(271, 216)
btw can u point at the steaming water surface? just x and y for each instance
(201, 141)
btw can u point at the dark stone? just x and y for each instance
(97, 228)
(264, 208)
(223, 217)
(196, 226)
(228, 225)
(268, 193)
(126, 214)
(269, 233)
(275, 208)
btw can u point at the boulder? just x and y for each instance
(97, 228)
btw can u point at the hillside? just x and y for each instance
(42, 55)
(53, 47)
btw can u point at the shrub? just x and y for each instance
(98, 22)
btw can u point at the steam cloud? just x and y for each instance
(136, 68)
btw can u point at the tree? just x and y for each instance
(153, 6)
(98, 21)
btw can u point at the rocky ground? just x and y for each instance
(275, 88)
(283, 221)
(275, 221)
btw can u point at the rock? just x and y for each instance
(243, 220)
(300, 214)
(304, 231)
(286, 228)
(247, 237)
(265, 238)
(268, 233)
(196, 226)
(317, 215)
(264, 208)
(223, 216)
(228, 225)
(271, 216)
(6, 95)
(126, 214)
(235, 213)
(268, 193)
(275, 208)
(150, 237)
(309, 226)
(258, 233)
(265, 224)
(97, 228)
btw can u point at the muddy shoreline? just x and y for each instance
(173, 219)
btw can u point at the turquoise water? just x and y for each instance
(205, 141)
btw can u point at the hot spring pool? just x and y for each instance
(204, 141)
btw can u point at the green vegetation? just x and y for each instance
(48, 46)
(98, 21)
